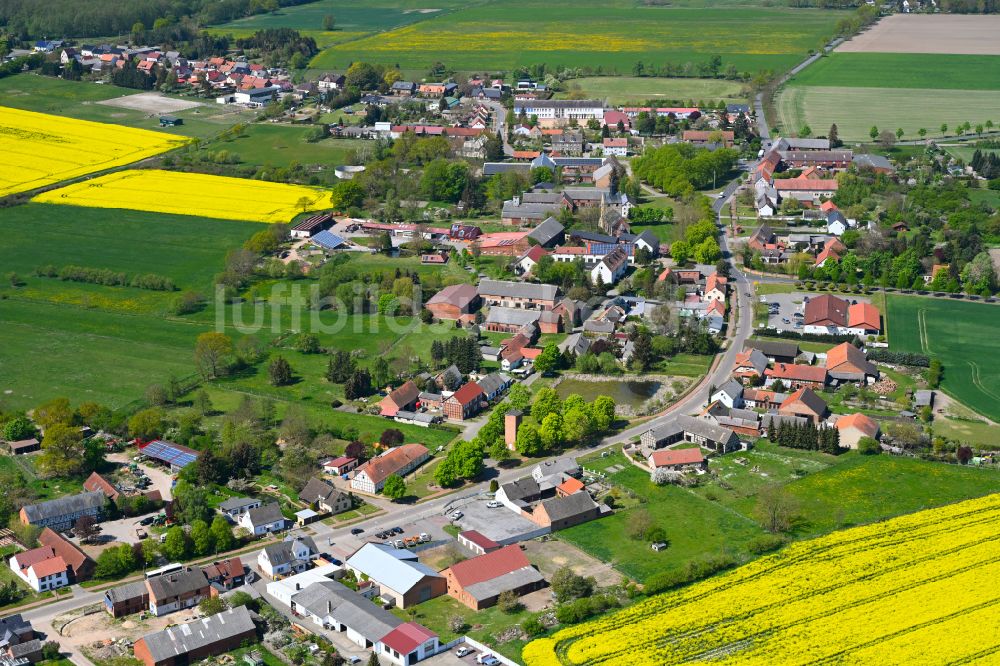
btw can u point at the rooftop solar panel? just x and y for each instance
(327, 239)
(170, 453)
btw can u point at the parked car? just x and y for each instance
(457, 515)
(397, 530)
(487, 660)
(493, 504)
(424, 537)
(462, 651)
(148, 520)
(356, 531)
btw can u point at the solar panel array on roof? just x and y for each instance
(328, 240)
(170, 453)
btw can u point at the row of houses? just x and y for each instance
(174, 588)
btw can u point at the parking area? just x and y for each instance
(786, 311)
(499, 523)
(451, 658)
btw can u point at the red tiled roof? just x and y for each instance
(570, 486)
(400, 398)
(70, 554)
(34, 556)
(677, 457)
(479, 539)
(97, 482)
(804, 398)
(380, 468)
(859, 421)
(467, 393)
(489, 566)
(615, 143)
(826, 308)
(407, 637)
(805, 185)
(48, 567)
(864, 315)
(339, 462)
(797, 372)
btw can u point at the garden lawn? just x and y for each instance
(632, 89)
(367, 428)
(436, 613)
(43, 489)
(281, 145)
(962, 335)
(686, 365)
(696, 528)
(856, 109)
(612, 34)
(902, 70)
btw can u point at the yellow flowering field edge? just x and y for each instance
(817, 600)
(196, 194)
(40, 149)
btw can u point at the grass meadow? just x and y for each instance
(74, 99)
(93, 342)
(281, 145)
(902, 70)
(855, 110)
(350, 17)
(632, 89)
(504, 34)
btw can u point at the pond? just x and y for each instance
(624, 392)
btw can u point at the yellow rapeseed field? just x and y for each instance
(191, 194)
(39, 149)
(918, 589)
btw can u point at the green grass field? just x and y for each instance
(611, 34)
(366, 17)
(88, 341)
(87, 354)
(626, 89)
(695, 527)
(903, 70)
(77, 99)
(962, 335)
(856, 110)
(190, 250)
(280, 145)
(966, 151)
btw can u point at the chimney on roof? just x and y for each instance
(298, 587)
(329, 606)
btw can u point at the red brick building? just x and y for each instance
(464, 403)
(457, 302)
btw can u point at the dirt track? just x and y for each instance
(925, 33)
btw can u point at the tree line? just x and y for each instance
(106, 277)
